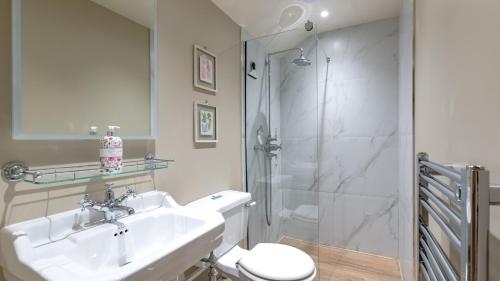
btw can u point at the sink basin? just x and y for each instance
(159, 242)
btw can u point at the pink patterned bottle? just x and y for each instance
(111, 152)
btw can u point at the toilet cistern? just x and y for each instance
(265, 261)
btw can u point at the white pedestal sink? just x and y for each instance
(159, 242)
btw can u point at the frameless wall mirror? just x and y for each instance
(83, 63)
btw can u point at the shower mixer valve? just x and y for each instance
(269, 147)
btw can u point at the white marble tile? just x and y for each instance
(359, 108)
(406, 153)
(299, 162)
(300, 214)
(328, 232)
(361, 223)
(353, 112)
(359, 166)
(358, 92)
(406, 171)
(299, 104)
(367, 50)
(406, 244)
(299, 111)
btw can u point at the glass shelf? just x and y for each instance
(91, 171)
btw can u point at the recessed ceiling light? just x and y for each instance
(324, 13)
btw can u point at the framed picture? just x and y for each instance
(205, 122)
(205, 69)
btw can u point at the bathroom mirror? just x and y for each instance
(83, 63)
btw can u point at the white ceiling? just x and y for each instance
(261, 17)
(139, 11)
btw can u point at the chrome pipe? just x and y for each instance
(440, 186)
(439, 254)
(455, 241)
(428, 267)
(285, 51)
(432, 261)
(441, 206)
(424, 272)
(443, 170)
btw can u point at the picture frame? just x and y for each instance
(204, 69)
(205, 122)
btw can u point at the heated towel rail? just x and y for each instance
(454, 201)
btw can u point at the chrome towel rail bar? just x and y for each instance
(442, 170)
(441, 205)
(440, 186)
(439, 254)
(456, 241)
(454, 200)
(494, 188)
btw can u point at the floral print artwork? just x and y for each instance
(206, 69)
(206, 123)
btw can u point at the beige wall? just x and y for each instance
(199, 171)
(457, 89)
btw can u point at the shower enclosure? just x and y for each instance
(281, 137)
(323, 143)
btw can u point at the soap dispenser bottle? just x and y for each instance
(111, 152)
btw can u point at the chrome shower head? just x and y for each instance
(302, 61)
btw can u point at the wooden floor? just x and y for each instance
(343, 265)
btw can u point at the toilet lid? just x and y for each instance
(272, 261)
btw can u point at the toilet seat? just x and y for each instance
(228, 261)
(247, 276)
(278, 262)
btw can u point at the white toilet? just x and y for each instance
(266, 261)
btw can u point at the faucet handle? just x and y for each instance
(86, 199)
(271, 155)
(108, 185)
(131, 191)
(86, 202)
(271, 139)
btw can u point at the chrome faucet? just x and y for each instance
(269, 147)
(110, 205)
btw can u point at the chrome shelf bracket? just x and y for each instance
(14, 171)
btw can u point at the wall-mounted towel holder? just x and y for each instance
(456, 200)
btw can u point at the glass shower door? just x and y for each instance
(282, 139)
